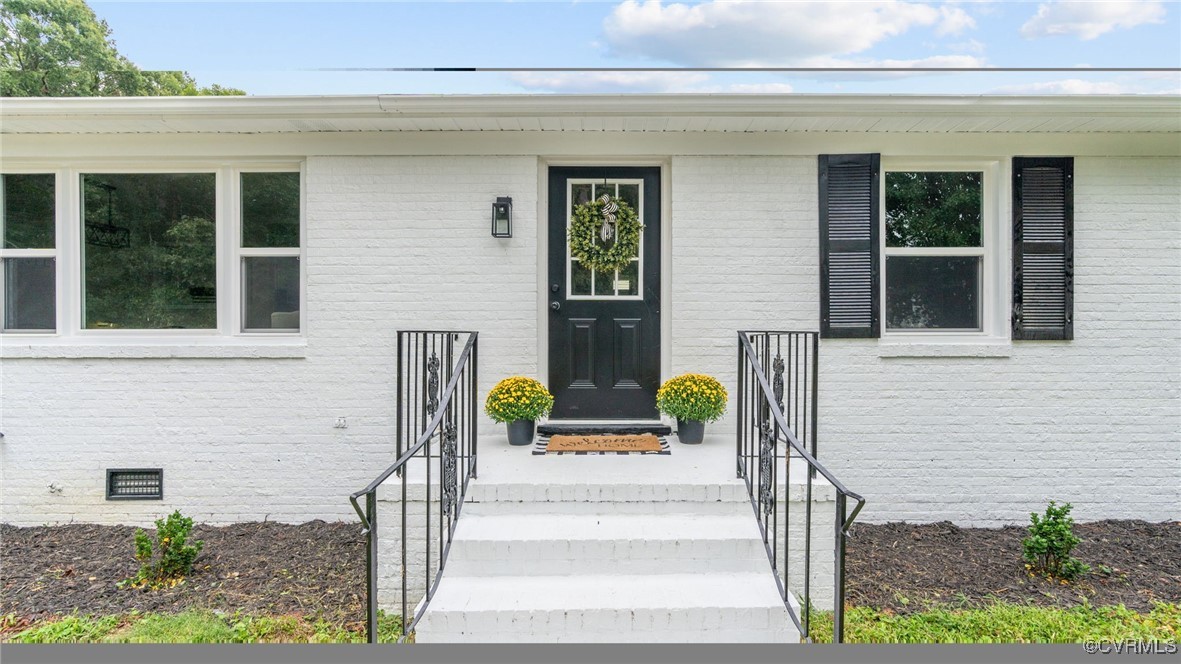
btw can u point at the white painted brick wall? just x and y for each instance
(396, 242)
(980, 441)
(392, 243)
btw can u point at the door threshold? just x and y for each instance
(640, 421)
(613, 427)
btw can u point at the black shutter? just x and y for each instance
(849, 263)
(1043, 247)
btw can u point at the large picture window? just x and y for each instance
(934, 250)
(149, 251)
(28, 255)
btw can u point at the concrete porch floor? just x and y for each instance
(713, 461)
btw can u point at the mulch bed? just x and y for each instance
(906, 567)
(314, 568)
(318, 568)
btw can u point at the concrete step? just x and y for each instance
(611, 608)
(572, 490)
(740, 509)
(605, 543)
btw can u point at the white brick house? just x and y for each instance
(929, 420)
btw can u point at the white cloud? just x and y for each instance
(735, 33)
(609, 81)
(868, 64)
(1088, 20)
(627, 81)
(1070, 86)
(1076, 86)
(953, 21)
(759, 88)
(957, 61)
(970, 46)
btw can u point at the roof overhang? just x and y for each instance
(632, 112)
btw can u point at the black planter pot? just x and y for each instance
(690, 432)
(520, 432)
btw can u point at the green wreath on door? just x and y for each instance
(604, 233)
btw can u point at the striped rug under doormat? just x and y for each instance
(597, 445)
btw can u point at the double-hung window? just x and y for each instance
(28, 253)
(935, 257)
(268, 251)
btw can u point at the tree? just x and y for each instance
(60, 48)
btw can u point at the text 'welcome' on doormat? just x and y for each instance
(598, 444)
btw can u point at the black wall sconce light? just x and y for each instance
(502, 217)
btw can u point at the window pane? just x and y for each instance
(580, 279)
(270, 209)
(579, 194)
(604, 283)
(271, 288)
(604, 188)
(933, 209)
(28, 211)
(29, 294)
(933, 292)
(149, 253)
(629, 279)
(630, 193)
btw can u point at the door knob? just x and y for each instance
(555, 305)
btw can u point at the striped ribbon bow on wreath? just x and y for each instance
(604, 233)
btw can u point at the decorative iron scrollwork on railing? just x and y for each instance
(766, 462)
(777, 381)
(432, 384)
(449, 478)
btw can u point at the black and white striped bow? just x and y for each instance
(610, 207)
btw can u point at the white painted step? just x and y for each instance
(605, 543)
(572, 490)
(607, 608)
(731, 508)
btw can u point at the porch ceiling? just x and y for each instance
(594, 113)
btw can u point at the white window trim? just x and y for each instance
(34, 253)
(994, 251)
(238, 253)
(70, 339)
(615, 297)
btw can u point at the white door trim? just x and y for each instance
(542, 230)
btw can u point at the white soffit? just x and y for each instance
(594, 113)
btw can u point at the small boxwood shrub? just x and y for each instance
(170, 559)
(1051, 539)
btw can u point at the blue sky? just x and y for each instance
(270, 48)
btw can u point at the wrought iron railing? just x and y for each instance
(777, 408)
(436, 457)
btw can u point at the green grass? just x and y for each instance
(997, 623)
(1003, 623)
(69, 629)
(201, 627)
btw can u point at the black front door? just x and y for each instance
(604, 329)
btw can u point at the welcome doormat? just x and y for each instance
(598, 444)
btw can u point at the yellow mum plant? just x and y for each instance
(692, 397)
(518, 398)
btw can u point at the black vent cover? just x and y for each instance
(135, 483)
